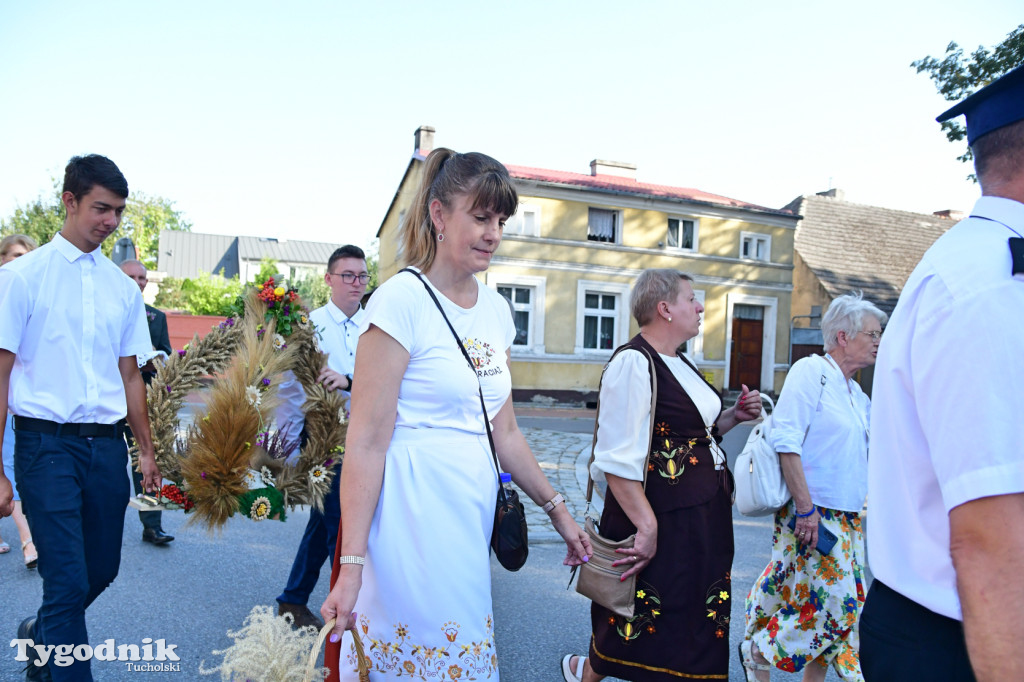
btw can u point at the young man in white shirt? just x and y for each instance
(946, 472)
(71, 325)
(338, 326)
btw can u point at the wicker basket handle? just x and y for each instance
(364, 664)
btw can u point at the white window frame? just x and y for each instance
(585, 286)
(695, 348)
(535, 334)
(696, 233)
(754, 238)
(618, 224)
(516, 224)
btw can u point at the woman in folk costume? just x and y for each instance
(802, 611)
(683, 550)
(418, 486)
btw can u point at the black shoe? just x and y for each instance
(33, 672)
(301, 615)
(156, 536)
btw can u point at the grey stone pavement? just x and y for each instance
(194, 590)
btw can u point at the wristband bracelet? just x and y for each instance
(804, 516)
(350, 559)
(550, 505)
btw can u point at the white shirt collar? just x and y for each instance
(69, 250)
(340, 317)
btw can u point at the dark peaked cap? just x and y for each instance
(998, 104)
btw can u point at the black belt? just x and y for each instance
(55, 429)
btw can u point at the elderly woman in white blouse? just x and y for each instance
(673, 490)
(801, 613)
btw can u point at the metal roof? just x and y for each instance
(184, 254)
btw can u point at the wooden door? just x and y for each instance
(745, 359)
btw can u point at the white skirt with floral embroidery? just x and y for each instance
(424, 609)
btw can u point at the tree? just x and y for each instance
(203, 295)
(314, 291)
(956, 78)
(143, 219)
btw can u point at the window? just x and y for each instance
(525, 295)
(526, 221)
(603, 225)
(521, 299)
(602, 320)
(755, 246)
(682, 234)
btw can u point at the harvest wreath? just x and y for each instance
(232, 460)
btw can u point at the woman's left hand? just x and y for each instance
(748, 406)
(576, 540)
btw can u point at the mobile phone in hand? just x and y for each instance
(826, 538)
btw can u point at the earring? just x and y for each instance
(440, 236)
(670, 319)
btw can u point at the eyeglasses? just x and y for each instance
(876, 336)
(349, 278)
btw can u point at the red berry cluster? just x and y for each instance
(174, 494)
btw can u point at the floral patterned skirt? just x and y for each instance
(680, 629)
(805, 606)
(425, 603)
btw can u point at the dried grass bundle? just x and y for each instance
(223, 445)
(267, 649)
(175, 379)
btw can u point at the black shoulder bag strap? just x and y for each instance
(480, 391)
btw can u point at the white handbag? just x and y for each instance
(760, 486)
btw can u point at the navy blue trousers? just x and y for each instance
(74, 492)
(316, 547)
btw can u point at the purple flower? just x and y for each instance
(266, 382)
(168, 388)
(181, 353)
(328, 462)
(286, 309)
(202, 475)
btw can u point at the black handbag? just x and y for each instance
(509, 539)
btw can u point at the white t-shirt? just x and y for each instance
(835, 454)
(439, 390)
(624, 424)
(946, 424)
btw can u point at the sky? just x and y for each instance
(295, 120)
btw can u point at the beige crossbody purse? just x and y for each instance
(598, 579)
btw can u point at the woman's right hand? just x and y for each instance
(341, 600)
(645, 546)
(806, 528)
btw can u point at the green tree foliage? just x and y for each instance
(372, 261)
(203, 295)
(314, 291)
(268, 269)
(143, 219)
(956, 77)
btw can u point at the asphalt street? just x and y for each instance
(191, 592)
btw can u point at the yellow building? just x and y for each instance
(576, 244)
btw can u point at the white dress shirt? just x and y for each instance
(338, 335)
(69, 317)
(835, 454)
(946, 425)
(624, 424)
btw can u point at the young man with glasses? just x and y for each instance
(338, 326)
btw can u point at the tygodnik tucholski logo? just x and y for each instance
(151, 656)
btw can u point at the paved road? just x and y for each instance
(192, 591)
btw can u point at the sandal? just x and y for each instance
(31, 560)
(748, 663)
(4, 547)
(567, 673)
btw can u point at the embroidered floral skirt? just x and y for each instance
(424, 608)
(805, 606)
(680, 629)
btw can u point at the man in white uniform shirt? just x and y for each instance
(338, 326)
(71, 325)
(946, 471)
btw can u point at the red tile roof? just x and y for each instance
(616, 184)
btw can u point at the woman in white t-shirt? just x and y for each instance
(802, 611)
(418, 485)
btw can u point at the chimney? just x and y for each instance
(951, 214)
(616, 168)
(833, 193)
(424, 140)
